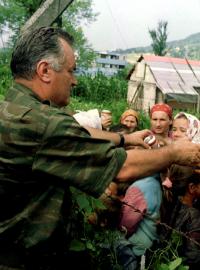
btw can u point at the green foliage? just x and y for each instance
(98, 92)
(174, 265)
(5, 73)
(100, 88)
(116, 107)
(95, 242)
(86, 203)
(101, 92)
(188, 47)
(79, 13)
(14, 14)
(159, 38)
(166, 256)
(193, 112)
(144, 121)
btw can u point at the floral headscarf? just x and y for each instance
(193, 131)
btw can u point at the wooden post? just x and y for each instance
(198, 102)
(46, 14)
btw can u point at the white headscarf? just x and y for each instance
(193, 132)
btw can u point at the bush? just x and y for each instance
(5, 72)
(103, 92)
(100, 88)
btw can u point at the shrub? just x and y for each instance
(100, 88)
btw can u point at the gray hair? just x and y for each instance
(33, 46)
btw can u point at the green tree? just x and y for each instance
(80, 13)
(14, 14)
(159, 38)
(5, 73)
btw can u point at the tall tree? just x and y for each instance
(14, 13)
(80, 13)
(159, 38)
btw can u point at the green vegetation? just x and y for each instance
(5, 73)
(95, 243)
(188, 47)
(14, 13)
(166, 257)
(159, 38)
(92, 92)
(101, 92)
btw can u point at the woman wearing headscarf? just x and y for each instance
(130, 119)
(180, 209)
(161, 121)
(186, 125)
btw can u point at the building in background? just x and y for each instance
(108, 63)
(156, 79)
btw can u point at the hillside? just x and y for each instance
(188, 47)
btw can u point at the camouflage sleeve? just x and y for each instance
(68, 153)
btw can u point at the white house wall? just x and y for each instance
(148, 76)
(149, 90)
(138, 73)
(149, 93)
(132, 88)
(141, 80)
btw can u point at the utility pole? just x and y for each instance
(46, 14)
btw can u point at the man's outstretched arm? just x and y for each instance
(144, 162)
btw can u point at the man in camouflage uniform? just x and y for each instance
(43, 151)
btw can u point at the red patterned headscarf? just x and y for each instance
(162, 107)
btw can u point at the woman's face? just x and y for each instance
(130, 122)
(160, 123)
(179, 128)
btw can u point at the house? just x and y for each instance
(110, 60)
(157, 79)
(108, 63)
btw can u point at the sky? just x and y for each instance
(123, 24)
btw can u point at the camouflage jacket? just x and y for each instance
(43, 151)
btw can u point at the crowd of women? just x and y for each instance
(169, 198)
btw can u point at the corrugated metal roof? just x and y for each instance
(195, 65)
(174, 75)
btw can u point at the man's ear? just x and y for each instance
(44, 71)
(191, 188)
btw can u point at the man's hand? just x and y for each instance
(186, 153)
(143, 162)
(137, 138)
